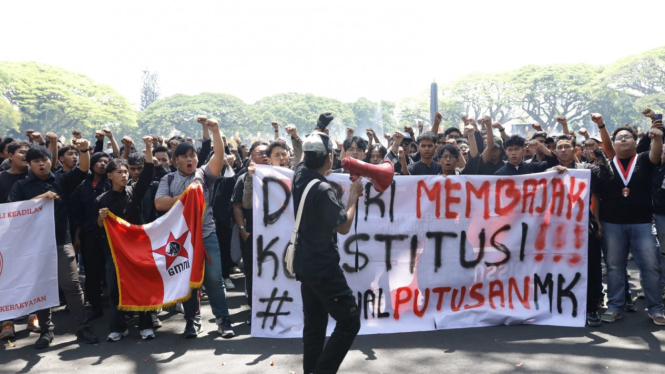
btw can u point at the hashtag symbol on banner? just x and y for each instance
(267, 314)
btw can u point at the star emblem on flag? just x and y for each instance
(173, 249)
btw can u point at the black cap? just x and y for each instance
(324, 120)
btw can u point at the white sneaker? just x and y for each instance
(179, 308)
(147, 334)
(156, 323)
(115, 336)
(229, 284)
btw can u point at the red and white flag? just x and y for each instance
(158, 264)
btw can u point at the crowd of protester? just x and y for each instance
(87, 181)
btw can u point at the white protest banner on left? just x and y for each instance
(28, 258)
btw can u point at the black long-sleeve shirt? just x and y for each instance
(126, 204)
(530, 168)
(63, 184)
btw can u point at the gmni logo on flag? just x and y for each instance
(173, 249)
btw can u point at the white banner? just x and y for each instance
(437, 253)
(28, 258)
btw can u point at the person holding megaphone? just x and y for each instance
(325, 291)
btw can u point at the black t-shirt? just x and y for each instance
(658, 192)
(636, 207)
(7, 180)
(420, 168)
(528, 168)
(316, 247)
(237, 198)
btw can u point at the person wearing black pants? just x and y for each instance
(323, 286)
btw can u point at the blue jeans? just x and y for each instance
(660, 232)
(214, 284)
(617, 239)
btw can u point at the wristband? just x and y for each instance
(240, 228)
(85, 151)
(502, 130)
(601, 127)
(276, 130)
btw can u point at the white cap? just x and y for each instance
(318, 143)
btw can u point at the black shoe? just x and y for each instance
(192, 330)
(45, 339)
(630, 306)
(130, 319)
(95, 313)
(87, 335)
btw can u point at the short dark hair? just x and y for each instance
(116, 163)
(566, 137)
(256, 144)
(66, 149)
(4, 143)
(136, 158)
(161, 148)
(176, 137)
(439, 136)
(549, 140)
(183, 148)
(36, 154)
(450, 130)
(539, 134)
(450, 148)
(360, 142)
(382, 151)
(628, 128)
(276, 144)
(427, 135)
(314, 161)
(462, 141)
(513, 140)
(16, 144)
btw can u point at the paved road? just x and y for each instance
(632, 345)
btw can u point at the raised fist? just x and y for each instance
(398, 137)
(387, 136)
(369, 133)
(438, 117)
(127, 141)
(37, 137)
(465, 119)
(29, 132)
(108, 133)
(51, 137)
(561, 119)
(486, 121)
(349, 132)
(656, 134)
(648, 112)
(291, 130)
(453, 142)
(234, 150)
(212, 125)
(251, 169)
(408, 129)
(468, 130)
(497, 125)
(583, 132)
(275, 125)
(76, 134)
(99, 135)
(202, 119)
(537, 126)
(420, 126)
(189, 139)
(597, 118)
(82, 144)
(534, 144)
(148, 141)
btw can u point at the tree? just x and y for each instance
(179, 112)
(53, 99)
(377, 116)
(484, 94)
(546, 92)
(303, 111)
(150, 90)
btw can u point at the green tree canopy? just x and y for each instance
(179, 112)
(53, 99)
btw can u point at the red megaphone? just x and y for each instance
(381, 175)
